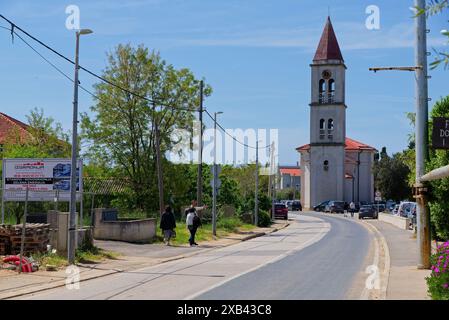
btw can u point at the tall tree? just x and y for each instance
(122, 133)
(439, 200)
(391, 177)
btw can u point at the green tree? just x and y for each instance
(432, 8)
(391, 177)
(439, 201)
(122, 133)
(46, 139)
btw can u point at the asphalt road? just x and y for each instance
(332, 268)
(316, 257)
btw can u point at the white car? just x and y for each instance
(406, 209)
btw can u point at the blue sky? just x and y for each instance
(254, 53)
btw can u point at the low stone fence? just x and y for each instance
(109, 227)
(397, 221)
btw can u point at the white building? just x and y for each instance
(334, 166)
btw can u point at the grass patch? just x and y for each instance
(93, 255)
(204, 233)
(48, 258)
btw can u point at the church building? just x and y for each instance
(334, 167)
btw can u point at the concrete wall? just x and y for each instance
(139, 231)
(400, 222)
(59, 226)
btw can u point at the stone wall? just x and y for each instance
(138, 231)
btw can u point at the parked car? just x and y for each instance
(379, 207)
(368, 211)
(395, 209)
(288, 203)
(321, 207)
(296, 205)
(280, 211)
(390, 204)
(405, 208)
(335, 206)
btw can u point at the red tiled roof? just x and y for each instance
(8, 124)
(356, 145)
(351, 145)
(292, 172)
(328, 48)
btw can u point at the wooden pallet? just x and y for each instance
(36, 238)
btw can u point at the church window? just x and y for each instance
(330, 129)
(322, 89)
(331, 92)
(322, 129)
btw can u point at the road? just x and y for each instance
(316, 257)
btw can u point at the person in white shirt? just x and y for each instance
(352, 208)
(192, 222)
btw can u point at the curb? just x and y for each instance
(380, 242)
(56, 284)
(387, 262)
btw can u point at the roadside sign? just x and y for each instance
(44, 178)
(440, 133)
(378, 194)
(378, 199)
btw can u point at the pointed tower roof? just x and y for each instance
(328, 49)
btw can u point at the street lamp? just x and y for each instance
(73, 178)
(214, 191)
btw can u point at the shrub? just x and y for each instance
(229, 224)
(438, 281)
(264, 219)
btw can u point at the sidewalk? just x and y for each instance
(406, 282)
(133, 256)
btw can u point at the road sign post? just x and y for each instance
(440, 133)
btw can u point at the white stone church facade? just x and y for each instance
(334, 167)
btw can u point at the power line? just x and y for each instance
(13, 32)
(152, 101)
(234, 138)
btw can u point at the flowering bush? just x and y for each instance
(438, 281)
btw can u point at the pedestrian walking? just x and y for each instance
(193, 221)
(168, 225)
(352, 208)
(193, 204)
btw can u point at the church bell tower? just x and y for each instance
(327, 121)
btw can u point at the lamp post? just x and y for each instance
(73, 178)
(215, 176)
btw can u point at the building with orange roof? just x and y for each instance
(334, 167)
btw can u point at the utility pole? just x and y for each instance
(215, 176)
(256, 196)
(272, 181)
(160, 181)
(199, 184)
(421, 134)
(421, 87)
(73, 176)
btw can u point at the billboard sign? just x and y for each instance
(47, 179)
